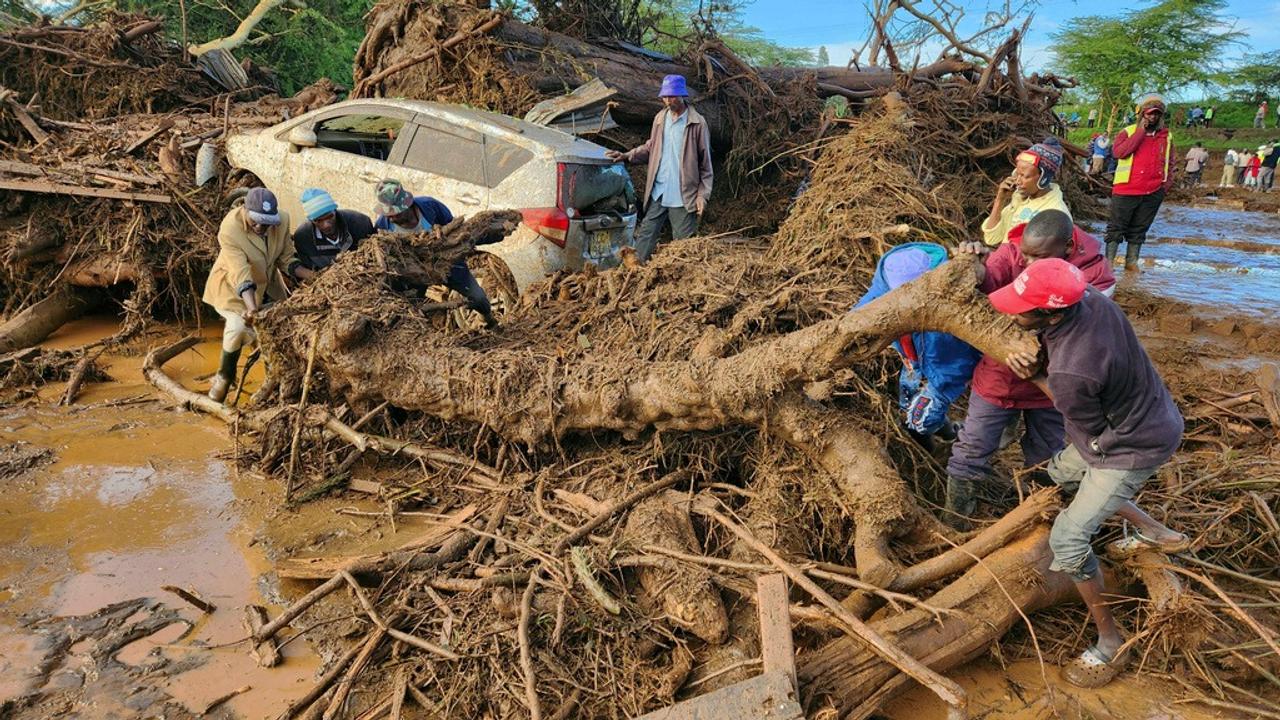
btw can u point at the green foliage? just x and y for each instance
(1168, 46)
(1213, 138)
(683, 19)
(1254, 82)
(823, 58)
(301, 41)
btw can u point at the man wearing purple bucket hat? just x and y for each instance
(678, 154)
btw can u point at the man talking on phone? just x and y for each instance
(1143, 174)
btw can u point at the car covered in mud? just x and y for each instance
(578, 206)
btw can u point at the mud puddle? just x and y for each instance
(1018, 692)
(1227, 261)
(136, 496)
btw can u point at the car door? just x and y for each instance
(357, 147)
(446, 161)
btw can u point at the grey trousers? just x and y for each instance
(683, 224)
(1096, 494)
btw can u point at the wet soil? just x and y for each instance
(136, 496)
(107, 501)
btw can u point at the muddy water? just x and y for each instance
(1224, 259)
(139, 496)
(1018, 692)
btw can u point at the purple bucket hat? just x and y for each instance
(903, 266)
(673, 86)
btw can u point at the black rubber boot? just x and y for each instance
(1112, 248)
(226, 376)
(960, 504)
(1131, 253)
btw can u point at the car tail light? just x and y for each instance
(550, 223)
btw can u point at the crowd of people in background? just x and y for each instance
(1253, 169)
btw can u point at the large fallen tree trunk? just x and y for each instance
(526, 399)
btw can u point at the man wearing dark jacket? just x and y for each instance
(678, 183)
(328, 231)
(1000, 398)
(400, 212)
(936, 367)
(1121, 424)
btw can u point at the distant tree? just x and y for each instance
(1255, 81)
(1171, 45)
(724, 19)
(823, 58)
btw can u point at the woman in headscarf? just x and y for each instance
(1029, 190)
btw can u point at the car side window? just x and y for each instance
(361, 134)
(453, 155)
(502, 158)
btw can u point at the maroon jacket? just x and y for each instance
(992, 380)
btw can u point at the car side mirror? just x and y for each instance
(302, 137)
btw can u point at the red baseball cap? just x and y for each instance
(1048, 284)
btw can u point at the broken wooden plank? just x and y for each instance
(189, 595)
(164, 125)
(765, 697)
(366, 486)
(60, 189)
(32, 127)
(776, 645)
(323, 568)
(264, 652)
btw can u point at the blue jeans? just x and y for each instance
(461, 281)
(1096, 494)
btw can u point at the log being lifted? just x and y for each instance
(551, 64)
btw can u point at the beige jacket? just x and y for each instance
(695, 158)
(245, 260)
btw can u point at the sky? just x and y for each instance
(841, 25)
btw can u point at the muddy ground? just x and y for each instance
(107, 501)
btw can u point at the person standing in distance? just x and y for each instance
(678, 182)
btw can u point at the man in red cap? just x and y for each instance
(1000, 399)
(1121, 424)
(678, 183)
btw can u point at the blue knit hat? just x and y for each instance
(317, 203)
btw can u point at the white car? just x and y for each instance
(579, 207)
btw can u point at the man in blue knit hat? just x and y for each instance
(678, 183)
(936, 367)
(328, 231)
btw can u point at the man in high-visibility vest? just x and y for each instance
(1143, 174)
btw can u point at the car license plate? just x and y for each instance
(601, 243)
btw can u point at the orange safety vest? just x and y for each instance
(1124, 168)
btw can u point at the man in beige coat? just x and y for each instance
(678, 184)
(254, 252)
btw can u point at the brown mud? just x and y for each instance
(131, 496)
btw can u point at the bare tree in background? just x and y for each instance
(904, 28)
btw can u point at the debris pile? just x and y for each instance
(111, 177)
(610, 471)
(615, 465)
